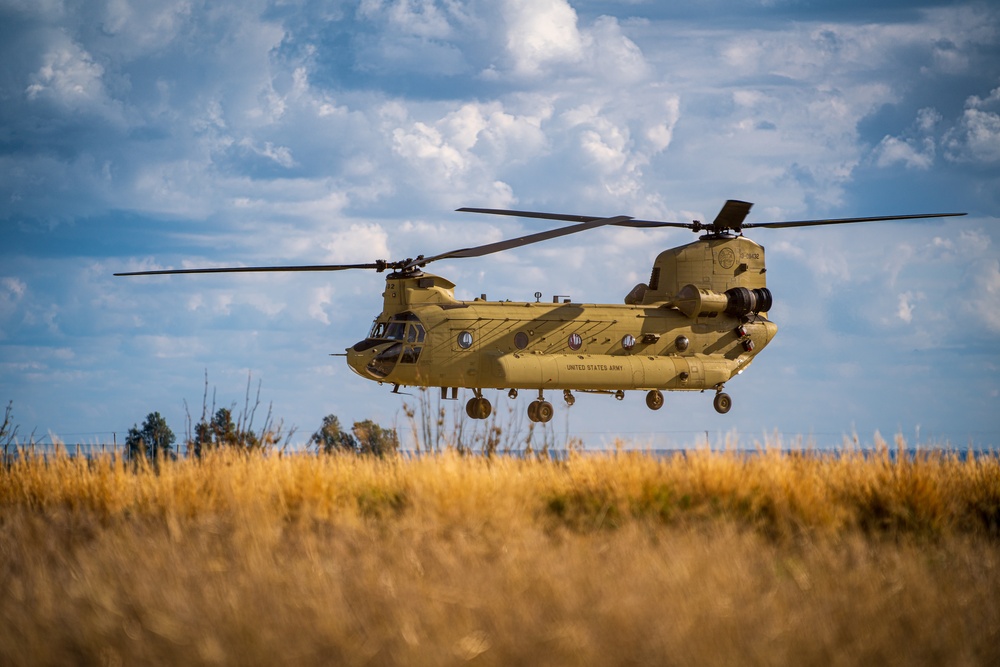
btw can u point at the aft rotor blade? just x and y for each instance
(732, 215)
(258, 269)
(630, 222)
(489, 248)
(844, 221)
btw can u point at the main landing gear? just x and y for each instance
(478, 406)
(541, 410)
(654, 399)
(722, 402)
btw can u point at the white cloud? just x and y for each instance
(421, 18)
(905, 310)
(12, 292)
(141, 28)
(911, 153)
(70, 79)
(976, 137)
(609, 51)
(661, 129)
(927, 119)
(321, 298)
(359, 243)
(280, 155)
(541, 34)
(466, 149)
(13, 288)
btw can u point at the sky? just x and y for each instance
(173, 134)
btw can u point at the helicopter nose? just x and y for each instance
(358, 356)
(374, 359)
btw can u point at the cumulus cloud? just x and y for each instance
(976, 136)
(12, 292)
(909, 152)
(914, 149)
(906, 306)
(541, 34)
(356, 244)
(321, 298)
(68, 77)
(422, 18)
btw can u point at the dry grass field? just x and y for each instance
(705, 559)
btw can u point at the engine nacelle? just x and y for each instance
(695, 301)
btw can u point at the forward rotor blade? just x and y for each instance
(489, 248)
(631, 222)
(258, 269)
(844, 221)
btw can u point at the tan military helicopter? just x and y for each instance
(699, 321)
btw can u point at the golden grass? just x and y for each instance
(710, 558)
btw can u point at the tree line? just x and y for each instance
(155, 441)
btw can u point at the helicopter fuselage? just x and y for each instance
(694, 326)
(576, 346)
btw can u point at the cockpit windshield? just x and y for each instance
(403, 326)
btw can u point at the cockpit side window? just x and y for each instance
(415, 333)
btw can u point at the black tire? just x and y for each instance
(544, 412)
(723, 403)
(654, 399)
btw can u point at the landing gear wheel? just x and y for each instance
(654, 399)
(478, 408)
(533, 410)
(722, 403)
(544, 411)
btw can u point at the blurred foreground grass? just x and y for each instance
(707, 558)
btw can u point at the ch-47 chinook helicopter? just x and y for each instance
(699, 321)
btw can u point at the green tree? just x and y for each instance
(222, 431)
(332, 438)
(154, 440)
(375, 440)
